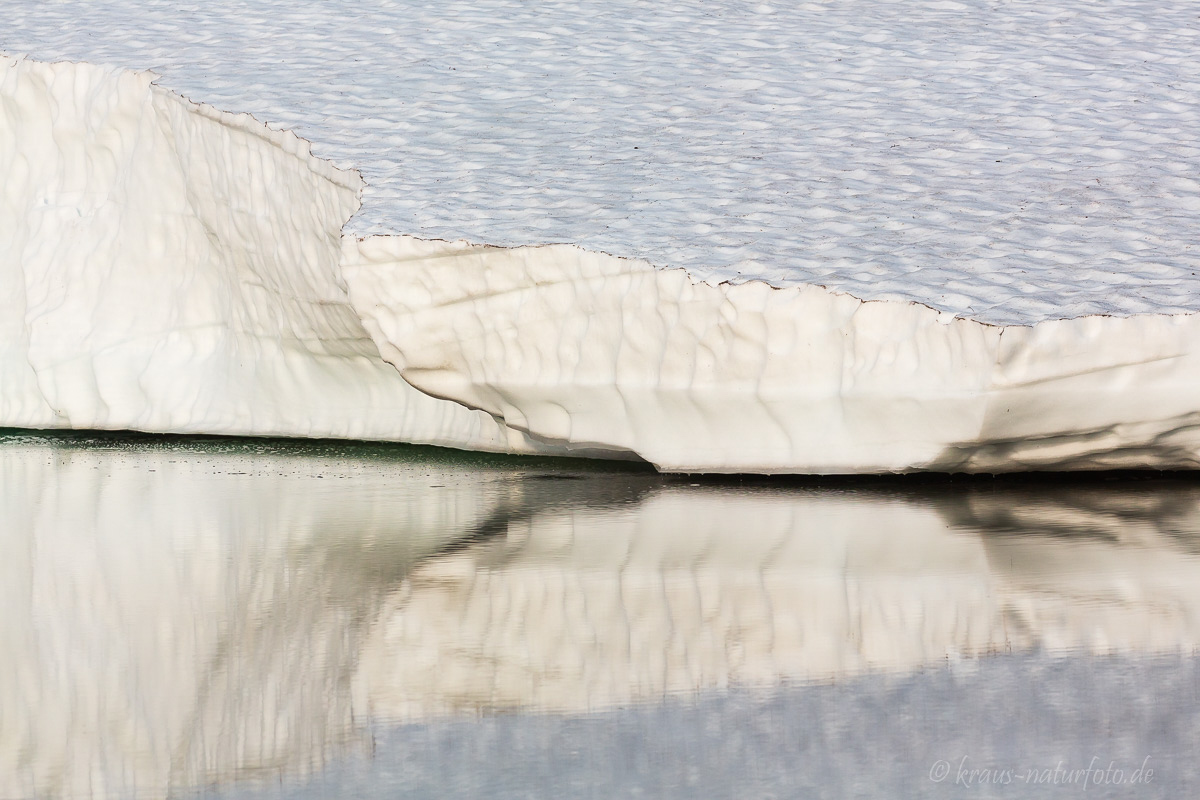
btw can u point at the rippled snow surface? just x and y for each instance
(1008, 161)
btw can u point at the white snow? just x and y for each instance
(165, 266)
(1009, 161)
(589, 350)
(987, 172)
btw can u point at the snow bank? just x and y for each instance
(165, 266)
(586, 349)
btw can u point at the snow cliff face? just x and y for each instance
(165, 266)
(584, 348)
(170, 267)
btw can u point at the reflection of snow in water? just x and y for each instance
(695, 589)
(170, 615)
(173, 614)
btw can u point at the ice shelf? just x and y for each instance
(166, 266)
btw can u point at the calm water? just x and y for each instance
(240, 618)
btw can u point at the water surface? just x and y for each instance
(244, 618)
